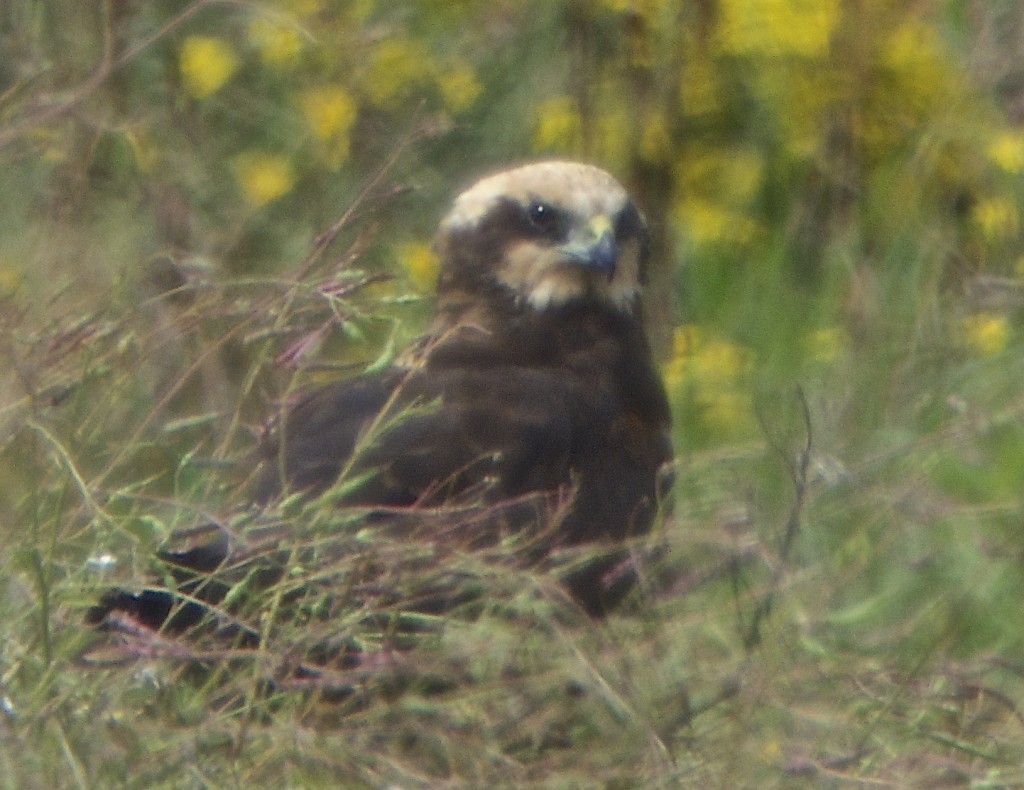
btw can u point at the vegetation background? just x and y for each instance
(206, 205)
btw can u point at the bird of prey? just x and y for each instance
(534, 379)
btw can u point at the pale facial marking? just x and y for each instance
(539, 274)
(584, 190)
(544, 279)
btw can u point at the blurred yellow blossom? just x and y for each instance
(263, 177)
(699, 88)
(718, 362)
(278, 45)
(996, 217)
(642, 8)
(777, 27)
(330, 111)
(655, 143)
(52, 146)
(734, 175)
(728, 413)
(918, 60)
(806, 99)
(685, 339)
(613, 137)
(11, 278)
(206, 63)
(459, 87)
(397, 67)
(306, 7)
(913, 47)
(827, 344)
(421, 263)
(771, 752)
(742, 175)
(1007, 151)
(145, 151)
(708, 360)
(559, 125)
(712, 372)
(707, 222)
(986, 333)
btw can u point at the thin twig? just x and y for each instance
(798, 473)
(105, 68)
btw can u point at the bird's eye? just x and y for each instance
(543, 218)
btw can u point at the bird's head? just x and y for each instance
(549, 233)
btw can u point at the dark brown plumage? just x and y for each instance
(537, 363)
(534, 379)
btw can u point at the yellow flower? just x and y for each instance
(718, 363)
(330, 111)
(306, 7)
(146, 154)
(559, 125)
(421, 263)
(655, 143)
(278, 45)
(913, 47)
(10, 279)
(459, 88)
(712, 373)
(827, 344)
(708, 223)
(1007, 151)
(699, 88)
(613, 136)
(742, 176)
(771, 28)
(685, 339)
(771, 752)
(263, 177)
(995, 217)
(206, 63)
(728, 413)
(709, 362)
(52, 145)
(809, 97)
(986, 333)
(643, 8)
(397, 67)
(732, 176)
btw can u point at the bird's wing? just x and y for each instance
(318, 436)
(437, 434)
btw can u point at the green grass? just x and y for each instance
(840, 600)
(889, 653)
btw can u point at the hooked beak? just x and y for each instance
(594, 246)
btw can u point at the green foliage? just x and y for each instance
(208, 206)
